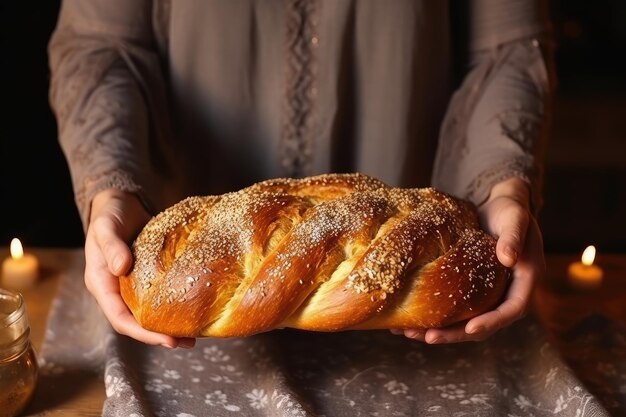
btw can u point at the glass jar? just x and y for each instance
(18, 363)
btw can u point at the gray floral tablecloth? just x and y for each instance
(294, 373)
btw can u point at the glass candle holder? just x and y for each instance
(18, 362)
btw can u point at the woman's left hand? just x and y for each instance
(506, 215)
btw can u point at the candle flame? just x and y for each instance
(16, 249)
(589, 255)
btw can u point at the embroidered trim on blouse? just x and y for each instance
(521, 126)
(478, 189)
(296, 146)
(93, 184)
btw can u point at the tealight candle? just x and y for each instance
(20, 270)
(585, 274)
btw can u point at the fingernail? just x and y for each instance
(412, 334)
(511, 253)
(165, 345)
(475, 330)
(187, 343)
(437, 341)
(396, 331)
(117, 264)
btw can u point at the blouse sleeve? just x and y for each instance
(497, 121)
(107, 94)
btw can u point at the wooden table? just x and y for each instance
(557, 306)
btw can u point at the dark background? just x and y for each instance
(585, 189)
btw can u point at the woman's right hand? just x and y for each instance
(116, 218)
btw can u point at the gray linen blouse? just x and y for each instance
(172, 98)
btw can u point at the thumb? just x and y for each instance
(512, 234)
(116, 252)
(117, 216)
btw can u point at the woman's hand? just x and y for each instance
(506, 215)
(116, 218)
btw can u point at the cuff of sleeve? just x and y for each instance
(114, 179)
(480, 187)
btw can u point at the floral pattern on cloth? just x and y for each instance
(294, 373)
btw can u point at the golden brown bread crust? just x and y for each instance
(326, 253)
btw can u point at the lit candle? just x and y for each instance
(585, 274)
(20, 270)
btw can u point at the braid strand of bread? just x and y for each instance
(326, 253)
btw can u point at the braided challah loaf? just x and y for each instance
(326, 253)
